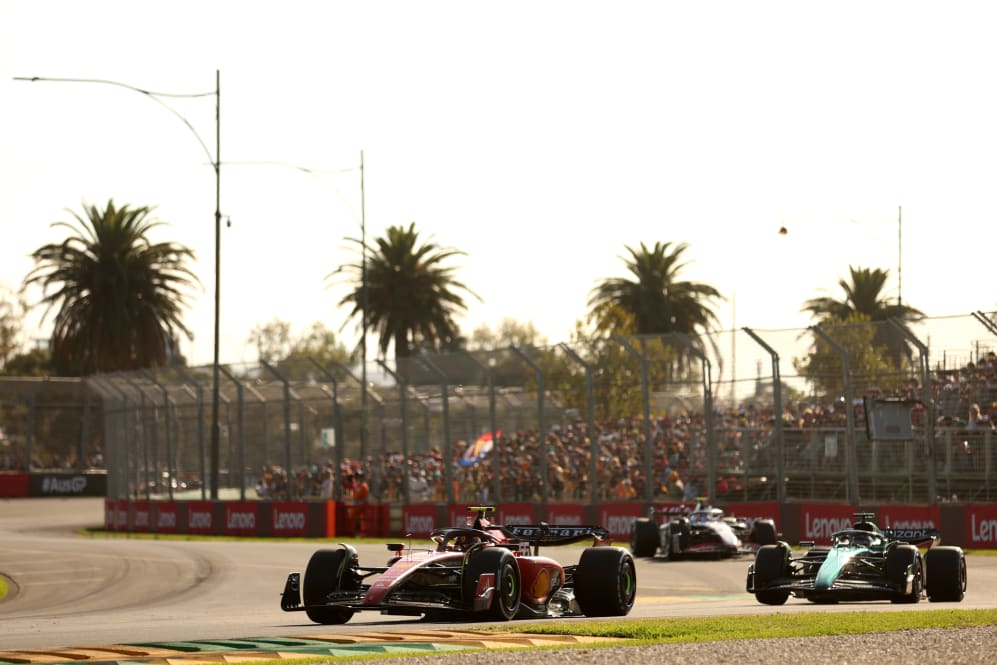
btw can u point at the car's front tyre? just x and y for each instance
(507, 593)
(327, 572)
(945, 569)
(900, 560)
(770, 565)
(605, 582)
(643, 537)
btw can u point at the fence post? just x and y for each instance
(84, 425)
(711, 440)
(402, 390)
(846, 377)
(287, 425)
(200, 434)
(544, 465)
(141, 432)
(590, 423)
(780, 441)
(124, 431)
(337, 429)
(447, 447)
(496, 467)
(646, 399)
(169, 439)
(240, 437)
(929, 406)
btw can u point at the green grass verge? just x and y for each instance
(739, 627)
(637, 632)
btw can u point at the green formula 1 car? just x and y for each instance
(862, 563)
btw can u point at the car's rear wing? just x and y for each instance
(557, 534)
(918, 537)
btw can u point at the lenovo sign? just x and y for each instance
(820, 520)
(618, 517)
(981, 526)
(290, 518)
(167, 518)
(241, 518)
(200, 517)
(418, 520)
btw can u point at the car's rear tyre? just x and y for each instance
(945, 574)
(763, 532)
(605, 582)
(643, 537)
(770, 566)
(501, 563)
(327, 572)
(898, 560)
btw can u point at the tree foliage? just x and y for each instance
(870, 363)
(509, 332)
(294, 355)
(657, 302)
(118, 297)
(12, 310)
(412, 295)
(865, 296)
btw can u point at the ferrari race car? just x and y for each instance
(702, 531)
(480, 571)
(862, 563)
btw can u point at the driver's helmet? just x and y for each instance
(464, 542)
(866, 526)
(862, 539)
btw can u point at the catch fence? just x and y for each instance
(739, 415)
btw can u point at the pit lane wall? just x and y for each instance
(973, 526)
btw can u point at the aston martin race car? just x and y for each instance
(704, 531)
(863, 562)
(478, 570)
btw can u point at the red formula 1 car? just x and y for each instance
(479, 571)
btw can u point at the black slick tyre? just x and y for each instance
(763, 532)
(605, 582)
(326, 573)
(945, 574)
(505, 598)
(770, 566)
(899, 560)
(643, 537)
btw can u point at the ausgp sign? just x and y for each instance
(62, 486)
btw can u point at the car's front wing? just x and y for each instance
(843, 589)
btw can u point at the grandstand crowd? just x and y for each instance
(966, 402)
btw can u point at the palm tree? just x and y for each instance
(656, 301)
(865, 297)
(659, 302)
(411, 296)
(118, 297)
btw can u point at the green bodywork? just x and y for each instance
(838, 558)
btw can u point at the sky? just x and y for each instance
(540, 138)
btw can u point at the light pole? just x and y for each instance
(216, 163)
(783, 231)
(363, 279)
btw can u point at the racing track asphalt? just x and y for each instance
(67, 590)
